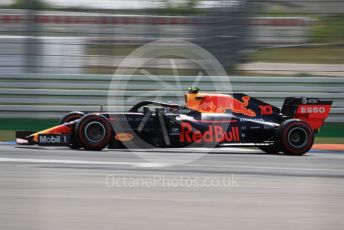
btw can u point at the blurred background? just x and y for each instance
(58, 55)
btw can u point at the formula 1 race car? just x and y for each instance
(205, 120)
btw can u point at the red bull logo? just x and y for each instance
(219, 103)
(215, 133)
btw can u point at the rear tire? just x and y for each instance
(295, 137)
(93, 132)
(72, 116)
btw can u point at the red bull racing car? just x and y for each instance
(206, 120)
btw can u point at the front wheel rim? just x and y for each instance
(94, 132)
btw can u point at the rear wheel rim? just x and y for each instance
(95, 132)
(298, 137)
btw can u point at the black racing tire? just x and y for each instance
(271, 149)
(296, 137)
(74, 145)
(93, 132)
(72, 116)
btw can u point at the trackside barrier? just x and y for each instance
(51, 96)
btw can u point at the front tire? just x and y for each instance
(296, 137)
(93, 132)
(72, 116)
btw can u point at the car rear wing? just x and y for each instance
(311, 110)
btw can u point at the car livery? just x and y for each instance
(206, 119)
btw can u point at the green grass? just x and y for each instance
(123, 51)
(153, 71)
(328, 140)
(334, 130)
(314, 54)
(8, 126)
(26, 124)
(329, 29)
(110, 50)
(7, 135)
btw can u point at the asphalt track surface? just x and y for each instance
(57, 188)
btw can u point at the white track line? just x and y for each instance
(274, 168)
(77, 162)
(138, 164)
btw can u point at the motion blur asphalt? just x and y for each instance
(57, 188)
